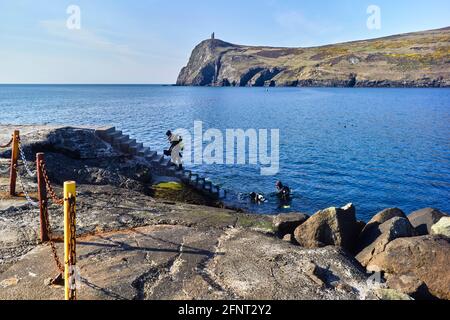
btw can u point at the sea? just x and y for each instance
(374, 147)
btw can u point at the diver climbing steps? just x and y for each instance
(159, 163)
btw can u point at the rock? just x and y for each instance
(392, 229)
(442, 227)
(287, 223)
(423, 219)
(315, 273)
(254, 266)
(409, 285)
(9, 282)
(287, 238)
(332, 226)
(391, 294)
(426, 257)
(386, 215)
(371, 231)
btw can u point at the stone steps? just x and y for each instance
(158, 162)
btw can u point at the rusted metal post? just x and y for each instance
(43, 202)
(14, 157)
(69, 240)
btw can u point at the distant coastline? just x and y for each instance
(412, 60)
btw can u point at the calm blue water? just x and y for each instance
(377, 148)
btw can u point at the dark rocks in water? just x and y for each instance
(332, 226)
(422, 220)
(392, 229)
(425, 258)
(285, 224)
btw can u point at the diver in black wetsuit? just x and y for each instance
(283, 192)
(257, 198)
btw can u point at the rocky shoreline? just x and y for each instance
(135, 244)
(413, 60)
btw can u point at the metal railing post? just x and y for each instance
(14, 157)
(43, 202)
(69, 240)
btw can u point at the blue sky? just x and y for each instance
(148, 41)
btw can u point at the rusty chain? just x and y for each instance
(52, 244)
(57, 201)
(72, 256)
(49, 187)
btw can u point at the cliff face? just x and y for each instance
(420, 59)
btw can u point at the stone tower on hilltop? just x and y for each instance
(213, 36)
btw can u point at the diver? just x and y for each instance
(283, 192)
(176, 147)
(257, 198)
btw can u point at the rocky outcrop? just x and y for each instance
(425, 258)
(442, 228)
(422, 220)
(285, 224)
(204, 63)
(332, 226)
(392, 229)
(409, 60)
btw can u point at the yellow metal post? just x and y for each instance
(69, 240)
(13, 169)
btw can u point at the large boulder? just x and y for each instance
(426, 258)
(385, 215)
(441, 228)
(332, 226)
(422, 220)
(372, 231)
(285, 224)
(392, 229)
